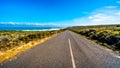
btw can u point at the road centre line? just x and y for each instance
(71, 53)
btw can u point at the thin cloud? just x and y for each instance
(111, 7)
(99, 17)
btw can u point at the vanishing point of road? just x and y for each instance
(67, 50)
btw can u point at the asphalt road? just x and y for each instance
(67, 50)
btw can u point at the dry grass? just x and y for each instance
(16, 50)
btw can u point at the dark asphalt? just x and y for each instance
(55, 53)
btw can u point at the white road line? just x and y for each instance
(117, 57)
(71, 53)
(113, 54)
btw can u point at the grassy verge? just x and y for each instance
(105, 35)
(100, 43)
(16, 50)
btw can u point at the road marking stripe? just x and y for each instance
(71, 53)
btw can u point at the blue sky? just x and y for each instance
(60, 12)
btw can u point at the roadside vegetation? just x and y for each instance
(106, 35)
(15, 42)
(11, 39)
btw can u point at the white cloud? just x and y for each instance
(90, 17)
(111, 7)
(106, 18)
(97, 17)
(117, 13)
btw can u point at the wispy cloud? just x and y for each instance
(105, 15)
(111, 6)
(100, 17)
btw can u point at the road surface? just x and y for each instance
(67, 50)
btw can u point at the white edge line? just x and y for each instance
(118, 57)
(71, 53)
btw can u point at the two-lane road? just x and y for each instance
(67, 50)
